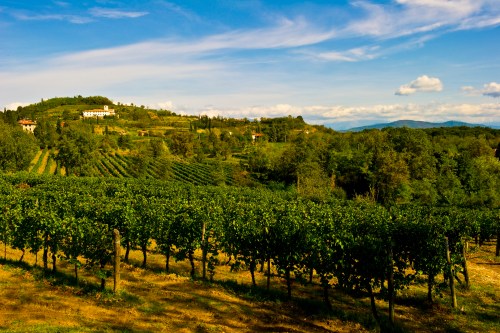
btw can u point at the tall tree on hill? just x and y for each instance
(17, 148)
(76, 152)
(46, 134)
(182, 143)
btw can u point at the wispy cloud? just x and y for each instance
(157, 61)
(409, 17)
(61, 4)
(411, 23)
(423, 83)
(115, 13)
(470, 90)
(76, 19)
(180, 11)
(351, 55)
(287, 34)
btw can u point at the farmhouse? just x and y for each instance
(28, 125)
(98, 113)
(256, 136)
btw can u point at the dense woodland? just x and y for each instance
(367, 212)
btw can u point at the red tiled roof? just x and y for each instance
(26, 122)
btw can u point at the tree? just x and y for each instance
(390, 176)
(312, 181)
(125, 142)
(45, 133)
(76, 152)
(139, 161)
(17, 148)
(182, 144)
(157, 148)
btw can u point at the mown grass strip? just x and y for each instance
(35, 160)
(39, 162)
(43, 164)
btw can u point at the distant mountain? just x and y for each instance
(414, 124)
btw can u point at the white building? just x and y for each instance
(27, 125)
(98, 113)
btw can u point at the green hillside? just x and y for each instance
(436, 166)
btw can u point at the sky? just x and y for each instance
(338, 63)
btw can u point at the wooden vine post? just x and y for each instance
(116, 261)
(268, 281)
(390, 286)
(451, 275)
(204, 251)
(464, 264)
(497, 250)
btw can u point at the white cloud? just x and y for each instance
(115, 13)
(168, 105)
(61, 3)
(286, 34)
(423, 83)
(343, 117)
(15, 105)
(76, 19)
(470, 91)
(408, 17)
(351, 55)
(491, 89)
(456, 8)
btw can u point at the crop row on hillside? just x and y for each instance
(120, 165)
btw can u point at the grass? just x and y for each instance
(151, 300)
(35, 160)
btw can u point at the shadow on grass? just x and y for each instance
(345, 307)
(313, 307)
(58, 278)
(157, 269)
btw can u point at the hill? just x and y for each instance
(414, 124)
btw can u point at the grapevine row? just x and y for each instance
(353, 246)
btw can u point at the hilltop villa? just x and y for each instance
(98, 113)
(27, 125)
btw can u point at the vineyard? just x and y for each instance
(357, 247)
(120, 166)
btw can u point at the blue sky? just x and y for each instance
(341, 63)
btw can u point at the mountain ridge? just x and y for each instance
(416, 124)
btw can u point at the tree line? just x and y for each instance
(447, 166)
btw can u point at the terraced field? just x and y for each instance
(44, 163)
(120, 166)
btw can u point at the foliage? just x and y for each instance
(17, 148)
(76, 152)
(352, 245)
